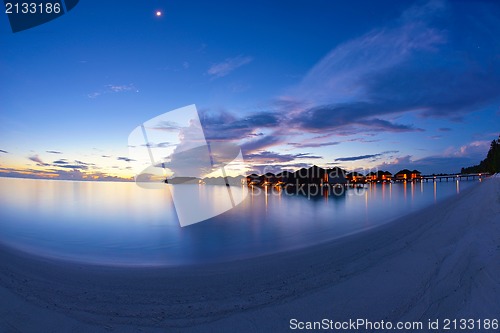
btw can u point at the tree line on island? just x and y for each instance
(491, 164)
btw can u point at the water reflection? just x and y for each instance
(120, 223)
(435, 191)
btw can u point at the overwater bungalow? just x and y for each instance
(385, 176)
(254, 179)
(408, 175)
(379, 176)
(270, 179)
(314, 176)
(371, 177)
(356, 178)
(282, 177)
(317, 176)
(336, 176)
(415, 174)
(303, 176)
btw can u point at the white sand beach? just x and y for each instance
(441, 262)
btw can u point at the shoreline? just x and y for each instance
(436, 262)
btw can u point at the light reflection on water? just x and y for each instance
(121, 223)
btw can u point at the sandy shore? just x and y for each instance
(442, 262)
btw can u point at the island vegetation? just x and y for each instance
(491, 164)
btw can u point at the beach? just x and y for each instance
(437, 263)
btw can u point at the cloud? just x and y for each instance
(73, 174)
(126, 159)
(83, 163)
(73, 166)
(428, 90)
(3, 151)
(192, 162)
(167, 125)
(363, 157)
(387, 126)
(25, 173)
(227, 66)
(273, 157)
(356, 158)
(444, 129)
(121, 88)
(37, 160)
(63, 163)
(449, 161)
(313, 144)
(260, 144)
(340, 75)
(341, 116)
(53, 152)
(225, 126)
(260, 169)
(159, 144)
(61, 169)
(113, 88)
(365, 83)
(363, 140)
(475, 149)
(94, 95)
(428, 165)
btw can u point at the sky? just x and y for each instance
(356, 84)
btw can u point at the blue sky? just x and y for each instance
(356, 84)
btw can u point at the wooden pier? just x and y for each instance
(470, 176)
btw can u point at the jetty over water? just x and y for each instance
(452, 177)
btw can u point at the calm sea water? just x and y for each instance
(123, 224)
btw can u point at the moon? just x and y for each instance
(158, 13)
